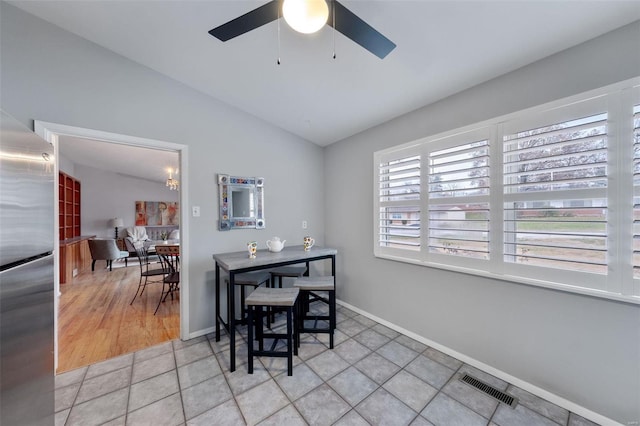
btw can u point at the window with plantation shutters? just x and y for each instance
(549, 196)
(459, 200)
(398, 194)
(555, 209)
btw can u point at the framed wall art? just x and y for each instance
(157, 213)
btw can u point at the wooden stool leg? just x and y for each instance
(270, 316)
(229, 302)
(296, 336)
(217, 307)
(332, 316)
(243, 311)
(289, 342)
(307, 303)
(299, 317)
(259, 326)
(250, 340)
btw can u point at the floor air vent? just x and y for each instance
(490, 390)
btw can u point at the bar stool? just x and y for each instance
(269, 298)
(308, 287)
(286, 271)
(253, 279)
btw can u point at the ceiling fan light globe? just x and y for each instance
(305, 16)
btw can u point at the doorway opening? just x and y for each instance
(91, 284)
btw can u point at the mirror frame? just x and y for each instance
(226, 185)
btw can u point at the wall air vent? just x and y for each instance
(489, 390)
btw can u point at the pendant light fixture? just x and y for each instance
(172, 183)
(305, 16)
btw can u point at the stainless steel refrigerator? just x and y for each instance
(26, 276)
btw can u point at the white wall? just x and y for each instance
(583, 349)
(106, 195)
(65, 165)
(52, 75)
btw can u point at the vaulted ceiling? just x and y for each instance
(443, 47)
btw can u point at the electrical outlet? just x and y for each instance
(304, 224)
(196, 211)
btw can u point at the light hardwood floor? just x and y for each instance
(96, 322)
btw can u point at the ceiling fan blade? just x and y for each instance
(247, 22)
(359, 31)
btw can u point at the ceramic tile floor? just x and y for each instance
(373, 376)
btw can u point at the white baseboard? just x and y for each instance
(202, 332)
(551, 397)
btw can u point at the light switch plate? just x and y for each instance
(195, 211)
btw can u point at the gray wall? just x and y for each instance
(52, 75)
(106, 195)
(581, 348)
(584, 349)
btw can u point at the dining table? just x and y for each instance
(150, 245)
(234, 263)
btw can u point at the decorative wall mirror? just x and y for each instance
(241, 202)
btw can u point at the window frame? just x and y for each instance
(560, 114)
(618, 101)
(411, 150)
(438, 144)
(630, 96)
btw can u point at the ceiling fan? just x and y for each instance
(317, 11)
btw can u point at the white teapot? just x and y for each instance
(275, 245)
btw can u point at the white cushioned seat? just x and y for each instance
(137, 233)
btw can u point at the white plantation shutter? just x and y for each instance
(398, 200)
(400, 179)
(549, 196)
(560, 156)
(459, 200)
(555, 210)
(636, 192)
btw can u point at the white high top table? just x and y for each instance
(238, 262)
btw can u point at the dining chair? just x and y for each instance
(170, 258)
(105, 249)
(146, 271)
